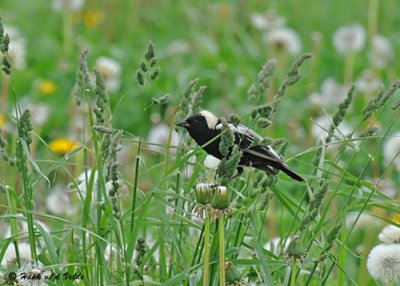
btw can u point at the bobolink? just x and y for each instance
(205, 128)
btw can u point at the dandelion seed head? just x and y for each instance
(390, 234)
(58, 201)
(178, 47)
(386, 186)
(124, 155)
(383, 262)
(364, 221)
(10, 255)
(391, 151)
(368, 82)
(12, 32)
(68, 5)
(317, 38)
(267, 21)
(158, 138)
(40, 113)
(108, 67)
(111, 251)
(17, 47)
(32, 269)
(83, 180)
(349, 39)
(284, 40)
(381, 54)
(110, 71)
(148, 278)
(23, 226)
(321, 125)
(188, 170)
(331, 94)
(17, 54)
(277, 245)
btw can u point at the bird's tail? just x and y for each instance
(275, 167)
(290, 173)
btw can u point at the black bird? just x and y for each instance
(205, 126)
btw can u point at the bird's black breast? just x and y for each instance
(208, 140)
(213, 149)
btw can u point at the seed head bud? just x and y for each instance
(232, 273)
(220, 200)
(204, 193)
(295, 249)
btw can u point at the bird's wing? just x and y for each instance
(244, 137)
(241, 130)
(265, 152)
(261, 156)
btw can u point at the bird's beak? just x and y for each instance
(183, 123)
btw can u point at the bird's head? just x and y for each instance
(200, 122)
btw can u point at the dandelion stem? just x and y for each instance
(293, 274)
(221, 249)
(373, 10)
(349, 68)
(5, 87)
(206, 275)
(341, 258)
(68, 32)
(12, 203)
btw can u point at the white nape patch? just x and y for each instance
(211, 119)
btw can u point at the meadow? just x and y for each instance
(98, 186)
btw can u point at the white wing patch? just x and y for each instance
(211, 119)
(268, 153)
(272, 151)
(241, 129)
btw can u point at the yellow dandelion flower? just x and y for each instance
(63, 145)
(47, 87)
(396, 218)
(2, 120)
(225, 11)
(92, 18)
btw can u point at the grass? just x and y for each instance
(127, 212)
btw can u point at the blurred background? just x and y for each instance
(223, 43)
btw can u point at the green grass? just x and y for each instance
(140, 203)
